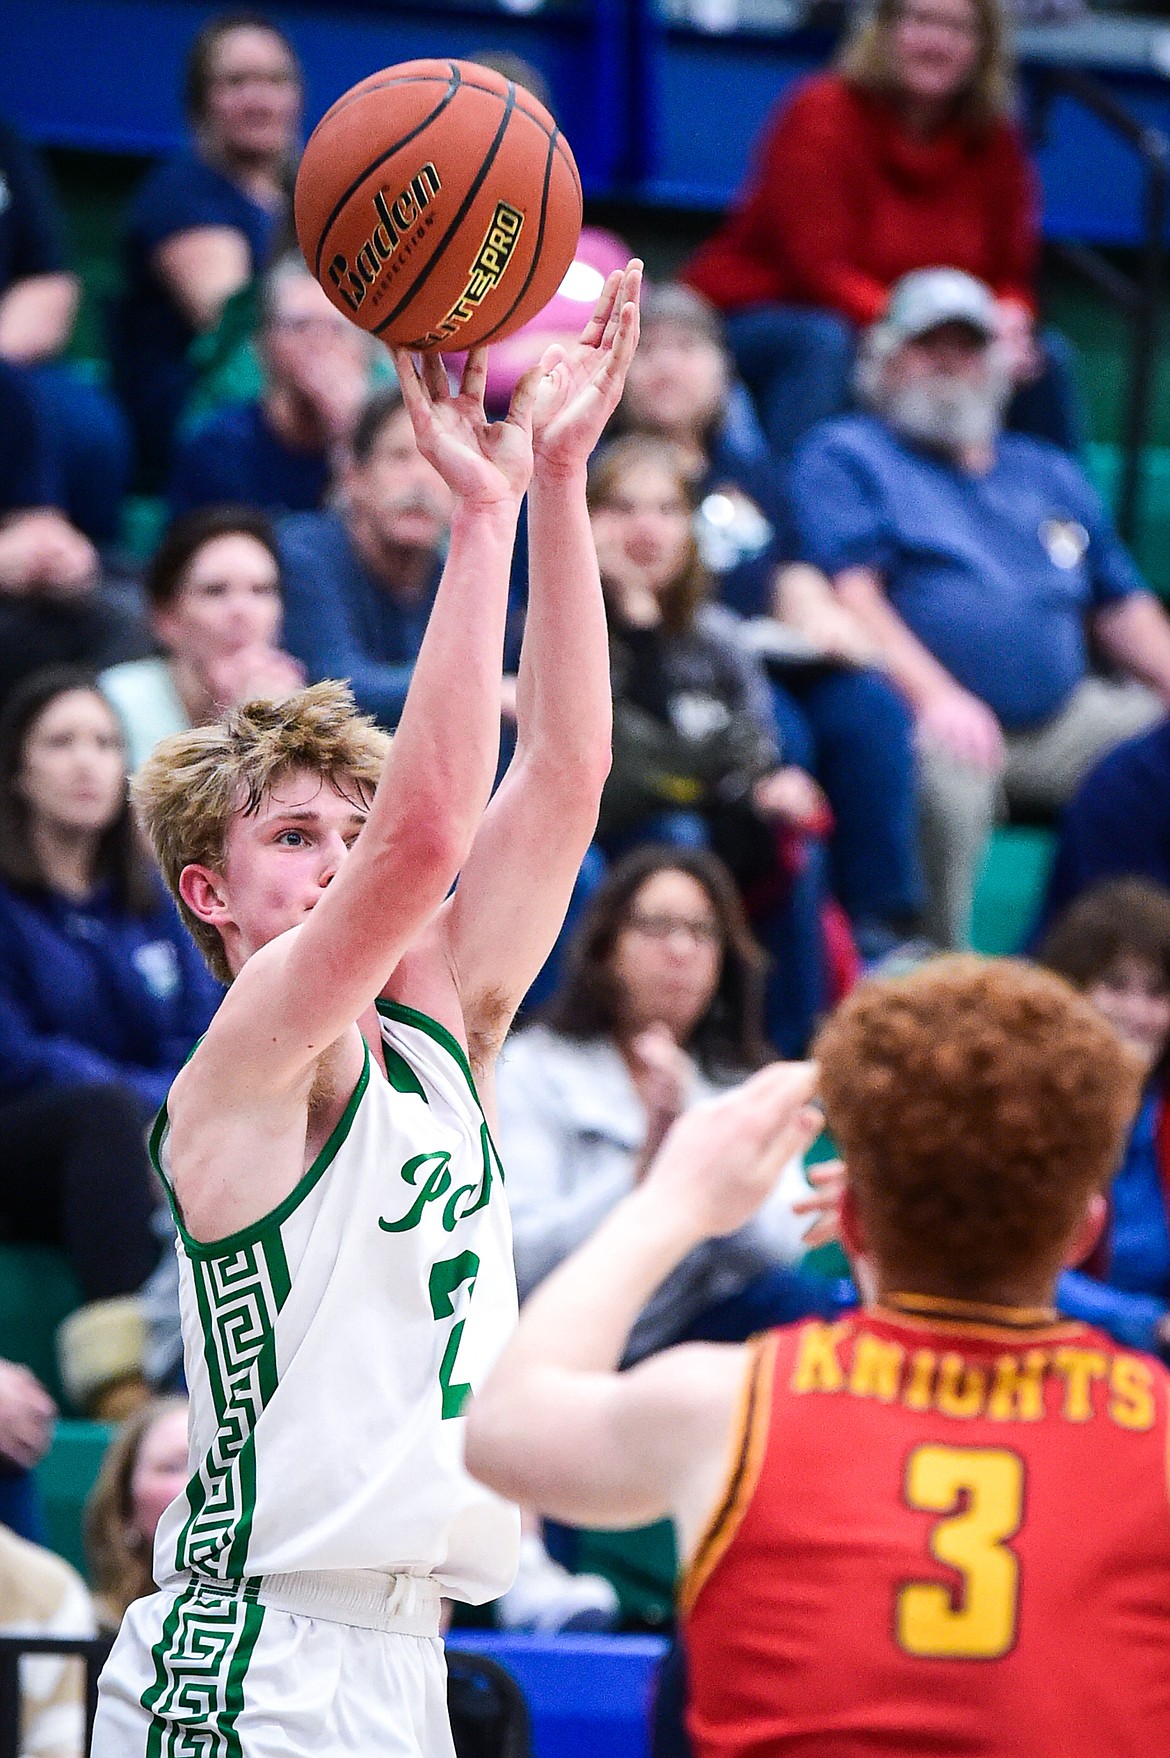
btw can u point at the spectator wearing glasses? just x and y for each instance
(205, 223)
(275, 452)
(699, 756)
(904, 157)
(660, 1008)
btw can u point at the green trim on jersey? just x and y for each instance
(240, 1283)
(239, 1298)
(276, 1217)
(398, 1010)
(196, 1700)
(401, 1075)
(424, 1023)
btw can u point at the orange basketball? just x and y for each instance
(438, 204)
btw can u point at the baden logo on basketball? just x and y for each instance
(395, 218)
(487, 271)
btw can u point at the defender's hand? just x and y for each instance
(722, 1158)
(580, 387)
(480, 460)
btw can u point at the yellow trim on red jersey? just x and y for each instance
(993, 1323)
(750, 1441)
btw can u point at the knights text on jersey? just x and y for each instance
(331, 1347)
(940, 1536)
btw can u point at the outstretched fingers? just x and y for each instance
(523, 403)
(409, 382)
(473, 384)
(595, 329)
(435, 378)
(626, 296)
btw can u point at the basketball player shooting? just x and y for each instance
(940, 1524)
(344, 1247)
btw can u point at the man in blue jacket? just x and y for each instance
(360, 578)
(978, 561)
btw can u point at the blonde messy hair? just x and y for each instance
(194, 783)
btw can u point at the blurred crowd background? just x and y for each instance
(889, 675)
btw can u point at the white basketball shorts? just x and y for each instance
(197, 1672)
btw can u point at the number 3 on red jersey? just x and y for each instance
(980, 1493)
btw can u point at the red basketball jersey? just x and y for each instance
(940, 1539)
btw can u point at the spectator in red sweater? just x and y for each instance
(903, 158)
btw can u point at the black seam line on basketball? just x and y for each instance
(463, 211)
(468, 85)
(535, 263)
(452, 88)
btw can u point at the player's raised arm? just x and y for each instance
(556, 1426)
(515, 888)
(297, 992)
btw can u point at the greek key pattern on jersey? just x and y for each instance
(201, 1660)
(239, 1296)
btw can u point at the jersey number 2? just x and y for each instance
(447, 1276)
(980, 1491)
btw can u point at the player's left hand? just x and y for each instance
(481, 461)
(580, 387)
(722, 1158)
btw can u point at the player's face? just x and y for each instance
(280, 859)
(229, 599)
(668, 957)
(646, 525)
(1134, 996)
(253, 104)
(402, 497)
(73, 766)
(677, 381)
(160, 1472)
(935, 48)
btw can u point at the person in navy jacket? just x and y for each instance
(102, 993)
(1114, 944)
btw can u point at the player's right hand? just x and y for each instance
(722, 1158)
(482, 462)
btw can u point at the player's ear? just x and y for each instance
(1088, 1232)
(203, 892)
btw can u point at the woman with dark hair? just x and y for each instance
(905, 156)
(697, 755)
(102, 995)
(207, 221)
(660, 1007)
(1113, 943)
(214, 594)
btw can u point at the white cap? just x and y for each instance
(928, 298)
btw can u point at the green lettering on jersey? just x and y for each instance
(436, 1184)
(464, 1200)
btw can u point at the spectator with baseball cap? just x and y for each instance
(905, 154)
(839, 717)
(979, 561)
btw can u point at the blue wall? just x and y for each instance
(655, 114)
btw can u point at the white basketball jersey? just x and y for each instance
(331, 1347)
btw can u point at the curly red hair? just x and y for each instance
(978, 1105)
